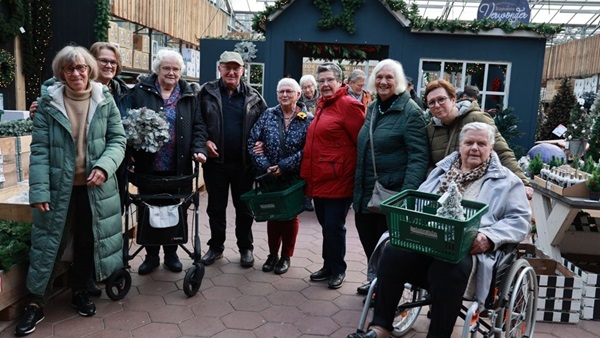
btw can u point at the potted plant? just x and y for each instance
(535, 165)
(593, 184)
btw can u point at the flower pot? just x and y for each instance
(594, 195)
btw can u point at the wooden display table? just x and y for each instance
(554, 214)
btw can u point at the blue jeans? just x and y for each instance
(331, 213)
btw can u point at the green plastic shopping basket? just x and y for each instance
(278, 203)
(413, 225)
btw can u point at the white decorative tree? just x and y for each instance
(450, 201)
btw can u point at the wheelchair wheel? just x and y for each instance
(519, 293)
(405, 319)
(118, 284)
(193, 279)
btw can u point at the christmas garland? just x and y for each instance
(411, 12)
(9, 26)
(7, 68)
(344, 20)
(101, 24)
(35, 42)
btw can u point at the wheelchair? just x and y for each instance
(510, 307)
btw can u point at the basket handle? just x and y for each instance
(260, 181)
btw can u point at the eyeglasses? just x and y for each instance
(439, 100)
(168, 69)
(106, 62)
(287, 92)
(228, 69)
(307, 87)
(79, 68)
(330, 80)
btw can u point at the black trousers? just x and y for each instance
(370, 227)
(80, 221)
(219, 178)
(445, 282)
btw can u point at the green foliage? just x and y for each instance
(559, 110)
(589, 165)
(535, 165)
(594, 141)
(16, 128)
(36, 40)
(101, 23)
(556, 162)
(580, 123)
(15, 238)
(507, 123)
(411, 12)
(593, 182)
(11, 20)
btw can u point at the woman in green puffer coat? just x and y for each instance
(77, 144)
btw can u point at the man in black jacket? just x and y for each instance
(229, 108)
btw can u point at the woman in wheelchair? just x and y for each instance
(479, 175)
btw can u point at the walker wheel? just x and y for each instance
(193, 279)
(118, 284)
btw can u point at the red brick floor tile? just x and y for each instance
(108, 333)
(323, 326)
(232, 333)
(277, 330)
(173, 314)
(257, 289)
(229, 280)
(143, 303)
(207, 327)
(158, 330)
(250, 303)
(282, 314)
(243, 320)
(221, 293)
(179, 298)
(212, 308)
(290, 284)
(318, 308)
(126, 320)
(286, 298)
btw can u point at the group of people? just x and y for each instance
(334, 135)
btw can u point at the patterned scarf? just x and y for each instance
(462, 179)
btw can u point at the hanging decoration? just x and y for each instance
(344, 20)
(417, 22)
(337, 51)
(247, 50)
(36, 41)
(13, 20)
(102, 22)
(7, 68)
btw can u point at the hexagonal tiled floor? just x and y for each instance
(237, 302)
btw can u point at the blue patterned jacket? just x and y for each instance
(281, 147)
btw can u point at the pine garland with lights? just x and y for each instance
(11, 22)
(344, 20)
(36, 41)
(102, 22)
(338, 51)
(417, 22)
(7, 68)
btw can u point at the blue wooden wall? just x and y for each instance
(375, 25)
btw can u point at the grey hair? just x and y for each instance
(68, 56)
(398, 74)
(166, 54)
(356, 75)
(330, 67)
(476, 126)
(308, 78)
(288, 81)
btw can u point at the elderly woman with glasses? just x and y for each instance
(448, 118)
(282, 132)
(479, 175)
(310, 93)
(328, 166)
(77, 144)
(165, 91)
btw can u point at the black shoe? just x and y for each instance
(336, 281)
(246, 258)
(320, 275)
(83, 304)
(92, 289)
(270, 263)
(308, 204)
(173, 263)
(210, 257)
(33, 315)
(282, 266)
(149, 265)
(363, 289)
(369, 334)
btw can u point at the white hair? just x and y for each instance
(398, 74)
(476, 126)
(288, 81)
(306, 78)
(166, 54)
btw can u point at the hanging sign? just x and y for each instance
(513, 11)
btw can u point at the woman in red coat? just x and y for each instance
(328, 166)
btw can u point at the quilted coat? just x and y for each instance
(443, 139)
(329, 159)
(401, 150)
(51, 176)
(281, 147)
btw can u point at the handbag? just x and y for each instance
(380, 193)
